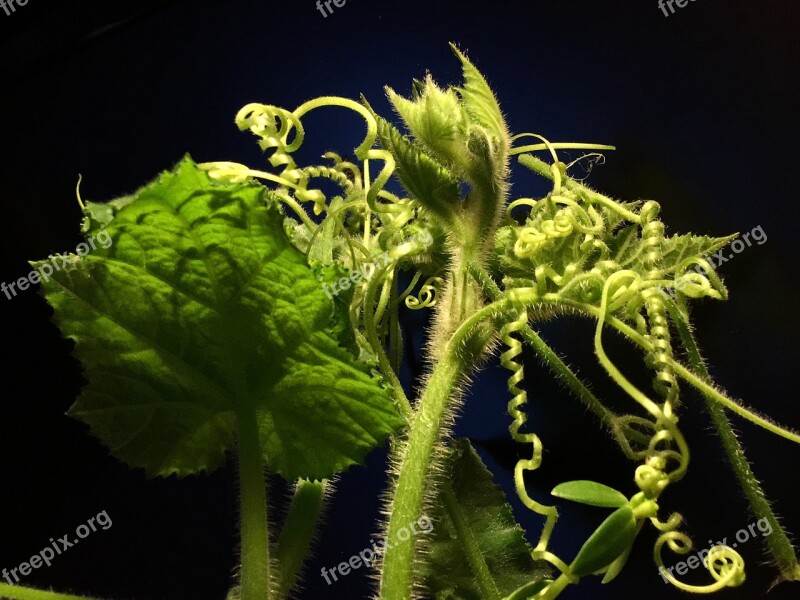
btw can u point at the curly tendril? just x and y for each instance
(518, 399)
(724, 564)
(428, 294)
(571, 217)
(281, 132)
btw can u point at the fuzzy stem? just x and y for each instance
(777, 541)
(298, 531)
(15, 592)
(395, 334)
(564, 374)
(710, 393)
(544, 169)
(255, 576)
(415, 470)
(546, 354)
(687, 375)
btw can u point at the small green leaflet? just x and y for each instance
(609, 541)
(591, 493)
(200, 309)
(482, 516)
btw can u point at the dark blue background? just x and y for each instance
(701, 106)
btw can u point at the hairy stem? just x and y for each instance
(564, 374)
(546, 354)
(545, 170)
(298, 531)
(255, 575)
(415, 470)
(711, 393)
(395, 333)
(777, 541)
(428, 422)
(699, 383)
(15, 592)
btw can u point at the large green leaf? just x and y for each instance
(473, 514)
(200, 309)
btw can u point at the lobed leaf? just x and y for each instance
(675, 250)
(202, 308)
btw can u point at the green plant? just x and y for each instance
(224, 316)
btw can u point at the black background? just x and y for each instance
(701, 106)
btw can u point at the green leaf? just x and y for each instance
(675, 251)
(679, 248)
(478, 99)
(528, 590)
(614, 536)
(615, 568)
(200, 309)
(478, 518)
(625, 244)
(437, 121)
(591, 493)
(425, 179)
(97, 216)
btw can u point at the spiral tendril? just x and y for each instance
(427, 296)
(519, 398)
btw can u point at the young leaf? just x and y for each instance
(202, 308)
(675, 250)
(614, 536)
(476, 533)
(678, 248)
(615, 568)
(437, 121)
(425, 179)
(625, 244)
(591, 493)
(478, 99)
